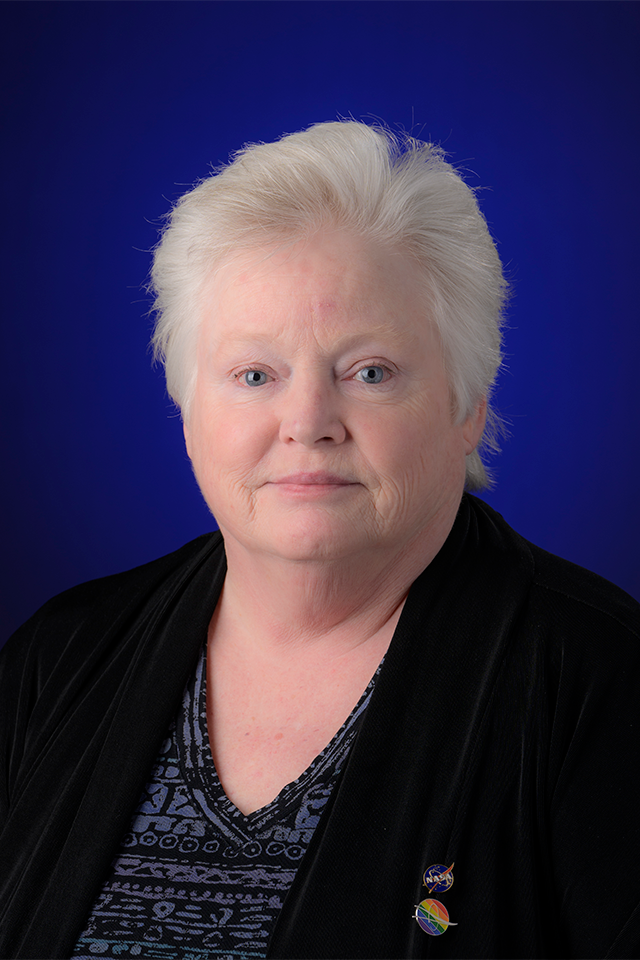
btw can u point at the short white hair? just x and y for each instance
(384, 187)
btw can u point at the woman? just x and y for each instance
(366, 719)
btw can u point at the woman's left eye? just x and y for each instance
(372, 373)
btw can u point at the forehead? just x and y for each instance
(334, 281)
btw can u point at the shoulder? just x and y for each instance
(570, 590)
(133, 580)
(587, 632)
(75, 653)
(559, 596)
(97, 601)
(559, 586)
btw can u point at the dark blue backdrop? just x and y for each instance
(112, 109)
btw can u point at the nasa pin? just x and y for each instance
(438, 878)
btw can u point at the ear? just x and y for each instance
(472, 427)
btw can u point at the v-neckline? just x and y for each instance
(199, 769)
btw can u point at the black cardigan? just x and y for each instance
(502, 735)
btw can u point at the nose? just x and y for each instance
(310, 413)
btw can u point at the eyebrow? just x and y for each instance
(383, 338)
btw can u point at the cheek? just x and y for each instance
(409, 436)
(417, 453)
(225, 444)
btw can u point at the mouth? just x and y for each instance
(319, 478)
(312, 484)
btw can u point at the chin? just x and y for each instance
(316, 542)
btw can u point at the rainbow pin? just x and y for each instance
(433, 917)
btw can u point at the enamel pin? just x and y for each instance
(438, 878)
(433, 916)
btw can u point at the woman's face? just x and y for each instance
(321, 425)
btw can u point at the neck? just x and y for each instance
(335, 605)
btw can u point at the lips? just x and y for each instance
(316, 478)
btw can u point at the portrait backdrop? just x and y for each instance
(112, 110)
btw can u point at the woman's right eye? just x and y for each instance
(253, 378)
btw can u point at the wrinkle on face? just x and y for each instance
(308, 315)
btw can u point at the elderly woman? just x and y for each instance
(366, 718)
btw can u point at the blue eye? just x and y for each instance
(254, 378)
(372, 374)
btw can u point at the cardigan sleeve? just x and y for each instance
(87, 688)
(593, 786)
(27, 660)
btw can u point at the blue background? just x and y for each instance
(111, 110)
